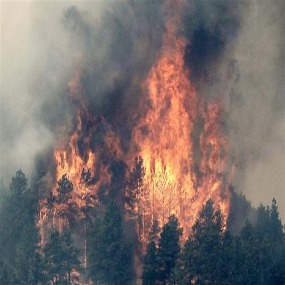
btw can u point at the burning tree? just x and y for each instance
(137, 198)
(144, 128)
(61, 207)
(66, 208)
(89, 202)
(175, 146)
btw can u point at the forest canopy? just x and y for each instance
(105, 252)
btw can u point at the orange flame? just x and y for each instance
(164, 138)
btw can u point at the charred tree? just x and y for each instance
(89, 201)
(137, 197)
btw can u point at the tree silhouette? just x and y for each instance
(201, 256)
(61, 257)
(89, 202)
(168, 249)
(109, 254)
(137, 197)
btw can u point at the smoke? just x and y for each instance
(21, 135)
(235, 52)
(44, 44)
(211, 27)
(37, 62)
(240, 57)
(257, 104)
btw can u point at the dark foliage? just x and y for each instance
(210, 255)
(20, 259)
(61, 257)
(213, 255)
(110, 257)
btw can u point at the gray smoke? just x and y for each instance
(257, 104)
(43, 44)
(235, 52)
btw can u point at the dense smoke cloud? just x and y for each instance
(211, 28)
(235, 51)
(107, 43)
(257, 104)
(21, 135)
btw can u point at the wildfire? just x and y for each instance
(165, 139)
(80, 161)
(184, 164)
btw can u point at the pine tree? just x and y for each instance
(19, 236)
(276, 266)
(168, 248)
(276, 228)
(89, 201)
(135, 185)
(249, 256)
(202, 253)
(137, 198)
(154, 232)
(66, 208)
(262, 226)
(150, 265)
(149, 274)
(228, 270)
(271, 245)
(109, 255)
(29, 267)
(70, 254)
(53, 258)
(61, 257)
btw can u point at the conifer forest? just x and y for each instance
(142, 142)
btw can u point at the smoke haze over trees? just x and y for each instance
(243, 40)
(77, 115)
(210, 254)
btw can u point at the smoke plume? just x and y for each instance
(235, 52)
